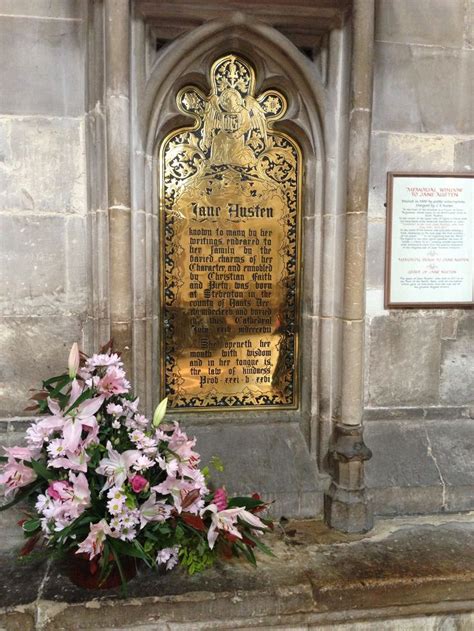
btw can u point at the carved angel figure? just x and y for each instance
(229, 121)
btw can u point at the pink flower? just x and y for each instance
(151, 510)
(139, 483)
(15, 475)
(117, 466)
(179, 489)
(73, 422)
(64, 502)
(93, 544)
(22, 453)
(113, 382)
(60, 490)
(226, 521)
(77, 461)
(220, 499)
(81, 493)
(180, 444)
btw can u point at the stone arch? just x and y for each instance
(311, 118)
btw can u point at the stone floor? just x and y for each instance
(412, 573)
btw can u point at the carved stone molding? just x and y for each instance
(303, 22)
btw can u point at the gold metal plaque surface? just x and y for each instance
(230, 190)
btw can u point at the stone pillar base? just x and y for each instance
(347, 505)
(348, 511)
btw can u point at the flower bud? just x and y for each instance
(160, 412)
(220, 499)
(73, 362)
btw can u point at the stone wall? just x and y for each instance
(54, 249)
(419, 363)
(43, 192)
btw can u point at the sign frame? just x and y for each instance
(391, 210)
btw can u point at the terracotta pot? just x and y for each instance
(85, 573)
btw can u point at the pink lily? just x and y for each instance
(226, 521)
(15, 475)
(74, 422)
(93, 544)
(151, 510)
(81, 493)
(59, 490)
(76, 461)
(23, 453)
(117, 466)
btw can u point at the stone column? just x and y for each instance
(346, 504)
(117, 102)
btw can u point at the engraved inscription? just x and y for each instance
(230, 216)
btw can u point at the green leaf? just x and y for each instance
(40, 470)
(23, 494)
(60, 385)
(244, 502)
(217, 463)
(128, 549)
(119, 566)
(52, 380)
(84, 396)
(31, 525)
(247, 552)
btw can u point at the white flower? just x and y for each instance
(103, 360)
(142, 463)
(56, 448)
(115, 507)
(168, 556)
(115, 410)
(127, 534)
(117, 493)
(141, 420)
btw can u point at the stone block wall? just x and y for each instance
(43, 192)
(419, 387)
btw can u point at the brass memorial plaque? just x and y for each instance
(230, 204)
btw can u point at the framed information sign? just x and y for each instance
(429, 261)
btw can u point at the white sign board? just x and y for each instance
(430, 241)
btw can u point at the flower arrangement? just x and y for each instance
(108, 483)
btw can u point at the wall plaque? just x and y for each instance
(230, 214)
(430, 241)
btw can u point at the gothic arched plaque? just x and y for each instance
(230, 198)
